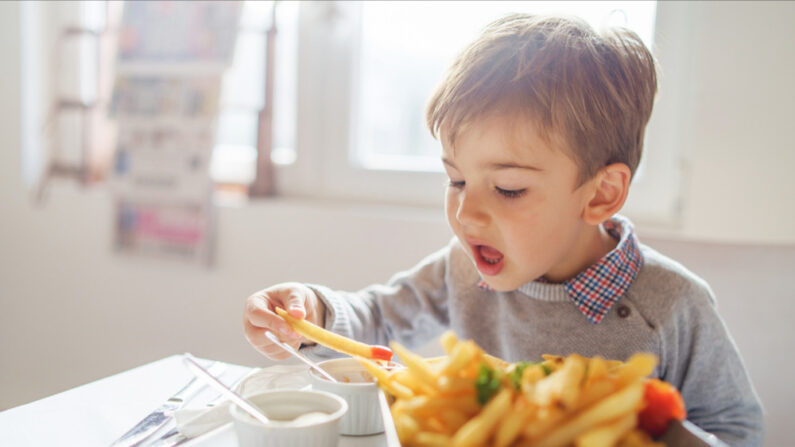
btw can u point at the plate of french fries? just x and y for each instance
(469, 398)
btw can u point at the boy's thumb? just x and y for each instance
(295, 305)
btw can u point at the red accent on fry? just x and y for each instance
(381, 353)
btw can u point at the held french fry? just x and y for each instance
(335, 341)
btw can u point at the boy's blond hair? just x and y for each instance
(591, 93)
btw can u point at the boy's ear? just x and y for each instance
(610, 188)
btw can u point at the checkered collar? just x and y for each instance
(597, 288)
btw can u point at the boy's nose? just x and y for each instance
(470, 212)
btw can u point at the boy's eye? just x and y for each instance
(510, 193)
(453, 184)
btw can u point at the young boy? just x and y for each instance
(541, 121)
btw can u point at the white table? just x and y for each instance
(98, 413)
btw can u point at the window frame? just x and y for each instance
(328, 44)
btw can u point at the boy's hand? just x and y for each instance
(260, 316)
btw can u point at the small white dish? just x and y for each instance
(282, 406)
(358, 388)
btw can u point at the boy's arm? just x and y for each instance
(701, 359)
(411, 308)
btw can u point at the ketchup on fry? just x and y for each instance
(381, 353)
(663, 403)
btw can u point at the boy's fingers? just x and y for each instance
(295, 305)
(259, 313)
(255, 335)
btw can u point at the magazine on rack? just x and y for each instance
(169, 67)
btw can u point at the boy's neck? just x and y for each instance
(594, 244)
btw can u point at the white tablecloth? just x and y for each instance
(98, 413)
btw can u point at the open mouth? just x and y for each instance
(488, 259)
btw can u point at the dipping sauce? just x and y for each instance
(310, 418)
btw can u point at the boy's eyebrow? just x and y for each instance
(511, 165)
(499, 166)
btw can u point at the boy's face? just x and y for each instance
(514, 204)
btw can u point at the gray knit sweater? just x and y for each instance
(667, 311)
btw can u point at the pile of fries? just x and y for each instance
(468, 398)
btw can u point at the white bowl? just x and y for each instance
(358, 388)
(285, 405)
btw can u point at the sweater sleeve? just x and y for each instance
(411, 308)
(700, 358)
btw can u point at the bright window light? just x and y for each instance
(405, 48)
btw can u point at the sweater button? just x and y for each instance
(624, 311)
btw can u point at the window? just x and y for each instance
(366, 72)
(243, 93)
(403, 52)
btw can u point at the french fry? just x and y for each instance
(594, 392)
(553, 362)
(432, 424)
(454, 419)
(460, 355)
(562, 385)
(478, 430)
(410, 380)
(531, 375)
(449, 384)
(512, 425)
(448, 341)
(431, 439)
(607, 435)
(618, 404)
(384, 380)
(416, 365)
(428, 406)
(546, 420)
(335, 341)
(636, 367)
(406, 427)
(495, 362)
(597, 368)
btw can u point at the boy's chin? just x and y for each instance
(507, 283)
(502, 285)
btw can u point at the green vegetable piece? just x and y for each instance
(516, 374)
(487, 384)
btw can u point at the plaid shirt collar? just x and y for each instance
(596, 289)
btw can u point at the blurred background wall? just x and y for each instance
(71, 311)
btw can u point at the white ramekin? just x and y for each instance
(286, 405)
(364, 415)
